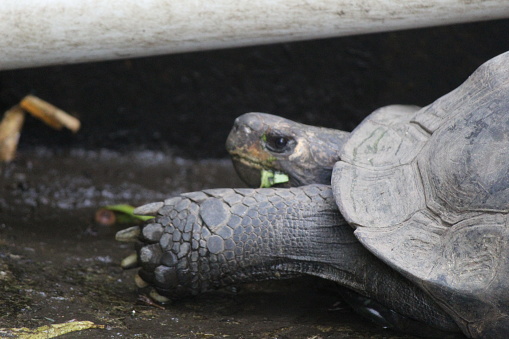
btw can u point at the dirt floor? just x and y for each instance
(57, 264)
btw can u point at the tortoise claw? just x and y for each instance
(128, 235)
(130, 261)
(140, 282)
(159, 298)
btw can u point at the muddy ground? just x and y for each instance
(57, 264)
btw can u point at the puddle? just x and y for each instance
(56, 264)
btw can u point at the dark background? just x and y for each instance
(185, 104)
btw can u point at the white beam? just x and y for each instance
(44, 32)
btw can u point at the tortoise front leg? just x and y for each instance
(205, 240)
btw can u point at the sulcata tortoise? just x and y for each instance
(421, 228)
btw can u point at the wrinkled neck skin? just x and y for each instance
(313, 157)
(231, 236)
(312, 238)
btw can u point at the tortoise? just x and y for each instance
(414, 219)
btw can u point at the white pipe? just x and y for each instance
(44, 32)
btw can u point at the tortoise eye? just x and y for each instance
(278, 143)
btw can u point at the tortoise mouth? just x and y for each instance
(248, 170)
(253, 162)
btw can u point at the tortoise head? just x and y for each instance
(263, 142)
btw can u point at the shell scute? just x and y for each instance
(360, 187)
(386, 139)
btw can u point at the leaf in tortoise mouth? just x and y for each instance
(271, 178)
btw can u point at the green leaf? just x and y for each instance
(125, 213)
(271, 178)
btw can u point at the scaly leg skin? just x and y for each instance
(215, 238)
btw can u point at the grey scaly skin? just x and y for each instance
(215, 238)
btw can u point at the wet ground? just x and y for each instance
(57, 265)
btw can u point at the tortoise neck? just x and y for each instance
(311, 237)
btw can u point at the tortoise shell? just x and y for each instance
(428, 193)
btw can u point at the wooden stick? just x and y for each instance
(10, 130)
(50, 114)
